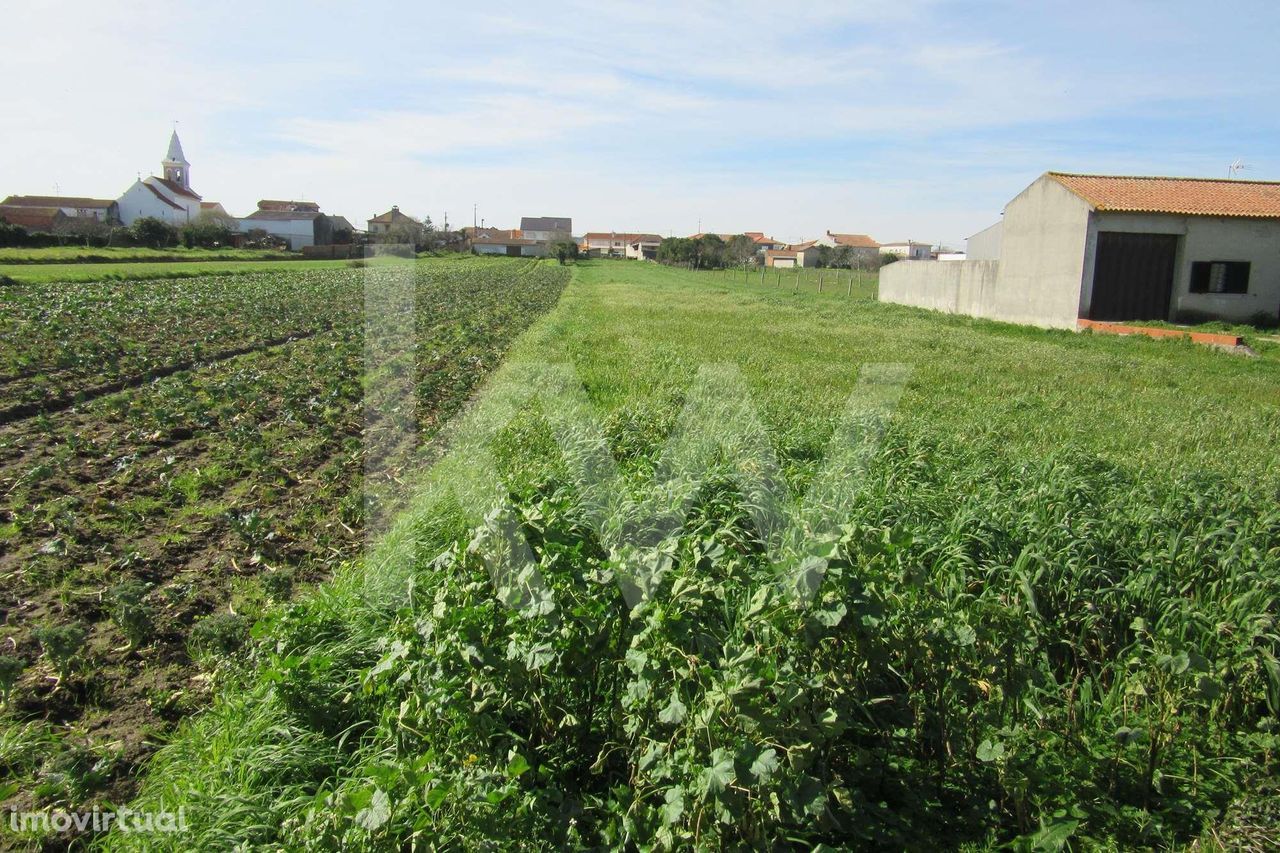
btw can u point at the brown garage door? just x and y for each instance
(1133, 276)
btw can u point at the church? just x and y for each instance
(169, 198)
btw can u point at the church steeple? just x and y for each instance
(176, 167)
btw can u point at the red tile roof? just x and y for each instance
(855, 241)
(57, 201)
(779, 253)
(800, 247)
(174, 187)
(394, 215)
(1187, 196)
(275, 204)
(284, 215)
(622, 238)
(33, 218)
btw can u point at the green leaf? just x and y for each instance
(437, 795)
(989, 751)
(517, 766)
(538, 656)
(675, 711)
(719, 774)
(1054, 836)
(674, 807)
(376, 813)
(765, 765)
(830, 618)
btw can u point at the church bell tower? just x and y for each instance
(176, 167)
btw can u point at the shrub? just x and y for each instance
(155, 233)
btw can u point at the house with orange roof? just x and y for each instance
(619, 244)
(1075, 248)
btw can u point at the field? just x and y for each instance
(175, 456)
(1046, 616)
(124, 270)
(113, 254)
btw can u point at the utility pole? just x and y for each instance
(474, 208)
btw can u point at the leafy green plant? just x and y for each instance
(131, 612)
(10, 671)
(62, 645)
(219, 633)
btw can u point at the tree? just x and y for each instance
(209, 230)
(564, 251)
(739, 250)
(886, 258)
(156, 233)
(90, 229)
(12, 235)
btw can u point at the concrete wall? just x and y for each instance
(1207, 238)
(956, 287)
(299, 233)
(1044, 242)
(985, 245)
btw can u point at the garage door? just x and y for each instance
(1133, 276)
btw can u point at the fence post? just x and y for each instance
(821, 276)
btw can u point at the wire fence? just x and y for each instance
(850, 284)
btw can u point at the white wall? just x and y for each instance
(298, 232)
(139, 202)
(985, 245)
(1208, 238)
(1043, 245)
(956, 287)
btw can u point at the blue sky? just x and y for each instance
(900, 119)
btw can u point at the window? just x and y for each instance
(1220, 277)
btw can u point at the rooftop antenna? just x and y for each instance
(1237, 166)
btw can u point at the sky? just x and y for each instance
(902, 119)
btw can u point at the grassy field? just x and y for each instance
(1046, 615)
(176, 456)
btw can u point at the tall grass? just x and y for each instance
(1048, 617)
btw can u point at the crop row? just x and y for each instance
(215, 489)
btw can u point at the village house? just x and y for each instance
(498, 241)
(395, 221)
(46, 219)
(101, 209)
(298, 223)
(798, 255)
(613, 244)
(908, 250)
(546, 229)
(860, 246)
(1113, 248)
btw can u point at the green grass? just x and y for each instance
(1047, 615)
(108, 254)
